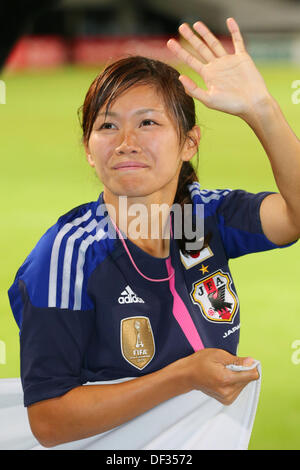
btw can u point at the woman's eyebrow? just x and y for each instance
(139, 111)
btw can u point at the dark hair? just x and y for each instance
(121, 75)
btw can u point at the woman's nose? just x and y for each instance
(128, 144)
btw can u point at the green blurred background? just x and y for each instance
(44, 174)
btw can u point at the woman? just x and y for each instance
(92, 306)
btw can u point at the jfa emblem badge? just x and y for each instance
(137, 341)
(216, 299)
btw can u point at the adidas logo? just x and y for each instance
(129, 297)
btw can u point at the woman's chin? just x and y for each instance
(132, 187)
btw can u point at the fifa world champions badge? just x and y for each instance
(215, 297)
(137, 341)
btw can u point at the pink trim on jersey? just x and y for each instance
(135, 266)
(182, 314)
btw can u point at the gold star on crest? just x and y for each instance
(204, 269)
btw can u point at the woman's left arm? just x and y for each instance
(235, 86)
(280, 213)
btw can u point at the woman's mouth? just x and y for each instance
(130, 165)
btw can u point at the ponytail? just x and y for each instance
(187, 176)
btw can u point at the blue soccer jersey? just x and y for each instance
(85, 314)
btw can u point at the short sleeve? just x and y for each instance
(53, 343)
(54, 334)
(240, 226)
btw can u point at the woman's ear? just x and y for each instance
(88, 155)
(192, 143)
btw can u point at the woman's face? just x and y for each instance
(136, 151)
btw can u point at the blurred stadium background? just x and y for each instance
(49, 54)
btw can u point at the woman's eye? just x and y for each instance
(110, 125)
(147, 121)
(106, 125)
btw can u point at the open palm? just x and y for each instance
(234, 85)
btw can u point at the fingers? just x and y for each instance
(185, 56)
(237, 39)
(207, 370)
(243, 370)
(200, 47)
(208, 50)
(209, 47)
(190, 86)
(234, 381)
(210, 39)
(243, 377)
(229, 384)
(193, 90)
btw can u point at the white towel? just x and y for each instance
(192, 421)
